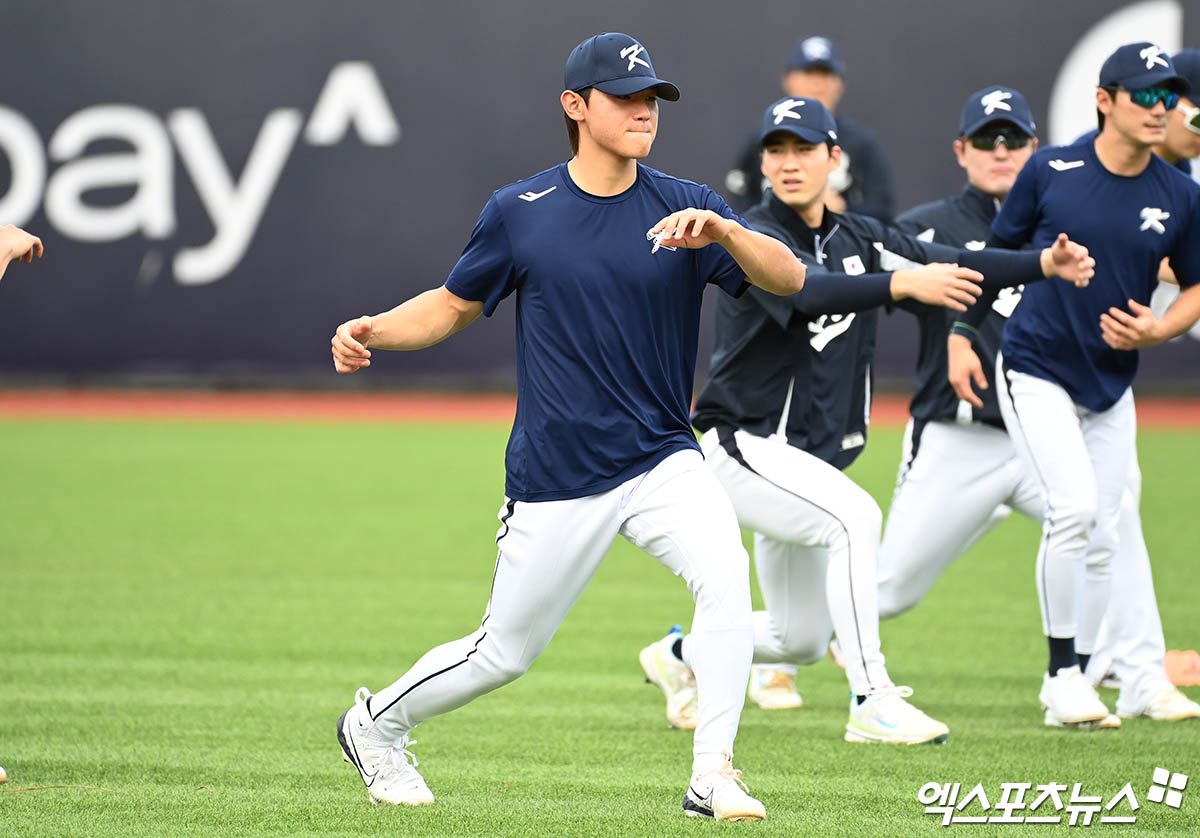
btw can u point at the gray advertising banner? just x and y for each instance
(219, 184)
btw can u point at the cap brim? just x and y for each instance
(1157, 78)
(976, 126)
(818, 64)
(636, 84)
(809, 135)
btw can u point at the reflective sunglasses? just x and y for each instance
(1191, 118)
(989, 140)
(1148, 97)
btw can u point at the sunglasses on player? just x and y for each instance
(1191, 118)
(1148, 97)
(990, 139)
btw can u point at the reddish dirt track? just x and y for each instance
(387, 407)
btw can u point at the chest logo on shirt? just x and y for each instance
(1153, 218)
(827, 327)
(657, 239)
(533, 196)
(853, 265)
(1059, 165)
(1006, 301)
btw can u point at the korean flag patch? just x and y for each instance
(853, 265)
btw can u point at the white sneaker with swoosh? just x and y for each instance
(721, 795)
(885, 717)
(388, 768)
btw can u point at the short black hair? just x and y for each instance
(828, 142)
(572, 125)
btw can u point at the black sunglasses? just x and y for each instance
(1013, 138)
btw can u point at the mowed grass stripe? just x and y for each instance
(185, 609)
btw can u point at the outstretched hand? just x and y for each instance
(1069, 260)
(1126, 331)
(939, 284)
(964, 368)
(690, 228)
(350, 352)
(16, 244)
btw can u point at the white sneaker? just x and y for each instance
(722, 795)
(1168, 705)
(388, 769)
(1109, 722)
(885, 717)
(1071, 698)
(773, 689)
(673, 677)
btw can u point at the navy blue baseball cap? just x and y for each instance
(1187, 64)
(1144, 64)
(808, 119)
(995, 104)
(617, 64)
(816, 52)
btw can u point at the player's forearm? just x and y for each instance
(422, 321)
(828, 293)
(768, 263)
(1005, 268)
(1180, 317)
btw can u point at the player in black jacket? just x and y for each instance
(787, 406)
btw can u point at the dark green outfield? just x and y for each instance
(186, 608)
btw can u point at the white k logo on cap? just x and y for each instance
(1153, 218)
(994, 101)
(1151, 55)
(787, 108)
(631, 52)
(816, 48)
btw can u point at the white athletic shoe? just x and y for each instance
(722, 795)
(772, 689)
(1071, 698)
(1109, 722)
(885, 717)
(1168, 705)
(388, 769)
(673, 677)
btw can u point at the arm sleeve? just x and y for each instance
(714, 263)
(828, 293)
(968, 322)
(485, 271)
(1017, 220)
(1000, 268)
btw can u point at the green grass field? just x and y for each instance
(186, 608)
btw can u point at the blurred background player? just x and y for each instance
(863, 181)
(1181, 140)
(16, 244)
(609, 260)
(785, 408)
(1067, 359)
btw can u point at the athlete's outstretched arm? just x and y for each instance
(1123, 330)
(422, 321)
(767, 262)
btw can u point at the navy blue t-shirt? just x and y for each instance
(606, 328)
(1128, 224)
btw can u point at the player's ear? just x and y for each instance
(1104, 101)
(574, 105)
(835, 157)
(960, 151)
(1033, 144)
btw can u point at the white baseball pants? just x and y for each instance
(815, 545)
(549, 551)
(955, 484)
(1081, 459)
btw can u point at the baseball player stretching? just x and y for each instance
(960, 474)
(787, 406)
(608, 260)
(1068, 356)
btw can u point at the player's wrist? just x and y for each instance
(1047, 262)
(901, 284)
